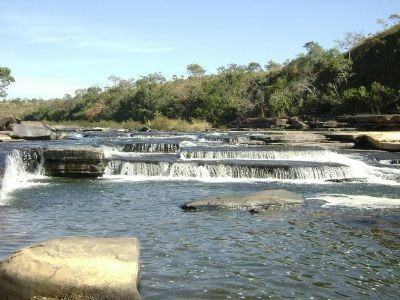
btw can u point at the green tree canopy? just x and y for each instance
(5, 80)
(195, 70)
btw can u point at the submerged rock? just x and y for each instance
(340, 180)
(259, 200)
(73, 268)
(74, 162)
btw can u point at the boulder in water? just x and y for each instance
(74, 162)
(33, 131)
(73, 268)
(259, 200)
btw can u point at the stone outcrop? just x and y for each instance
(74, 162)
(253, 201)
(388, 141)
(296, 123)
(5, 137)
(33, 131)
(356, 122)
(73, 268)
(289, 137)
(372, 122)
(67, 128)
(273, 123)
(6, 122)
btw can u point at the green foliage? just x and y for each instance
(5, 80)
(195, 70)
(319, 81)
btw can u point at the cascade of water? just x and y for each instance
(22, 168)
(203, 170)
(151, 147)
(320, 155)
(137, 168)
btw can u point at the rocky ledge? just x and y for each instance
(253, 202)
(73, 268)
(74, 162)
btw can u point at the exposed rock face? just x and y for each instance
(372, 122)
(289, 137)
(33, 131)
(296, 123)
(388, 141)
(277, 123)
(73, 268)
(65, 128)
(74, 162)
(4, 137)
(6, 122)
(258, 200)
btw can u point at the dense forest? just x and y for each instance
(361, 75)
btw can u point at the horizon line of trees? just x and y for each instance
(318, 82)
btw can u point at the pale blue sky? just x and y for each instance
(55, 47)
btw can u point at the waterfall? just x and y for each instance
(298, 155)
(210, 170)
(22, 168)
(151, 147)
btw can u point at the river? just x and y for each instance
(343, 242)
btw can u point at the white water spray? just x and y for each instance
(16, 176)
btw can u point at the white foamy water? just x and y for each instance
(187, 167)
(358, 201)
(225, 172)
(321, 155)
(17, 177)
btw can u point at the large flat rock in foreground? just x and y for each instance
(73, 268)
(259, 200)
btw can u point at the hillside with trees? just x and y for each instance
(362, 77)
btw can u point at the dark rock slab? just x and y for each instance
(6, 122)
(74, 162)
(253, 201)
(289, 137)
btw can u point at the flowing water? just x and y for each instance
(343, 242)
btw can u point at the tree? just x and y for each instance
(195, 70)
(395, 18)
(383, 23)
(5, 80)
(273, 67)
(349, 41)
(254, 67)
